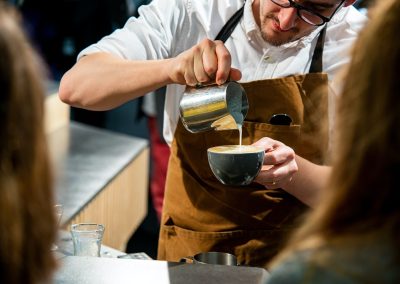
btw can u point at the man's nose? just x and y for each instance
(287, 18)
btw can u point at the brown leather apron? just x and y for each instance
(200, 214)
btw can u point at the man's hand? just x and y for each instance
(208, 61)
(279, 164)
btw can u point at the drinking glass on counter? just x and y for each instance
(87, 238)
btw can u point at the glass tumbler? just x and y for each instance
(87, 239)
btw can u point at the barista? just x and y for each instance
(262, 43)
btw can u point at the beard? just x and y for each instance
(274, 38)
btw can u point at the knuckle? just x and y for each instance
(225, 55)
(295, 168)
(209, 43)
(274, 176)
(210, 70)
(273, 159)
(202, 78)
(266, 140)
(205, 43)
(197, 49)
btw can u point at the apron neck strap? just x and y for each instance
(316, 62)
(228, 28)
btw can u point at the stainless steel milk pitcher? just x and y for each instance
(217, 107)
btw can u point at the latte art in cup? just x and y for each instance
(236, 149)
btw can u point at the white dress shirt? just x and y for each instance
(166, 28)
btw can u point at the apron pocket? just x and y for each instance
(252, 132)
(287, 134)
(305, 145)
(251, 247)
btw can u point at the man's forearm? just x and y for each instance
(101, 81)
(308, 183)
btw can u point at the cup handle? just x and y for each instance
(187, 259)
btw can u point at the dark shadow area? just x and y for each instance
(145, 239)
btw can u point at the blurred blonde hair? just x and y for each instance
(27, 221)
(363, 195)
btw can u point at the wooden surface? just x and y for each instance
(120, 206)
(101, 176)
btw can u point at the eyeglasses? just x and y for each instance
(307, 14)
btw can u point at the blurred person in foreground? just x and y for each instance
(353, 236)
(27, 222)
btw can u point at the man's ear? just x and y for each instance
(349, 2)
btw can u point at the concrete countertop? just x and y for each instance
(96, 270)
(109, 269)
(85, 160)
